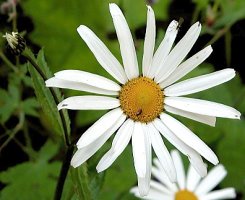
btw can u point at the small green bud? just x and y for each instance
(16, 43)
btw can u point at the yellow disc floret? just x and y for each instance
(141, 99)
(185, 195)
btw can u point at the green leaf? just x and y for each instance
(80, 181)
(30, 107)
(9, 102)
(232, 11)
(44, 95)
(44, 66)
(46, 101)
(231, 154)
(33, 179)
(120, 177)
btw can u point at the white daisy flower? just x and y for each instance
(188, 187)
(139, 103)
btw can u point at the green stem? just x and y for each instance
(63, 173)
(195, 14)
(28, 146)
(240, 98)
(218, 35)
(16, 129)
(14, 21)
(30, 152)
(228, 47)
(8, 62)
(216, 6)
(56, 99)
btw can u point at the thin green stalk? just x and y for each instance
(28, 146)
(14, 21)
(240, 98)
(216, 6)
(8, 62)
(30, 152)
(16, 129)
(228, 47)
(218, 35)
(63, 173)
(195, 14)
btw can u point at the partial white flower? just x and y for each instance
(140, 104)
(189, 186)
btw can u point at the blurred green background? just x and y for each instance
(31, 144)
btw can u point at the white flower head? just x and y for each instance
(140, 103)
(189, 186)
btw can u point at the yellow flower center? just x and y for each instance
(185, 195)
(141, 99)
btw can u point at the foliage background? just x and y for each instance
(31, 141)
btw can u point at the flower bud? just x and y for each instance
(16, 43)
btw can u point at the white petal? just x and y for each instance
(162, 153)
(179, 169)
(138, 145)
(193, 156)
(189, 138)
(142, 157)
(214, 177)
(187, 66)
(200, 118)
(159, 173)
(178, 53)
(164, 48)
(200, 83)
(55, 82)
(227, 193)
(86, 152)
(89, 103)
(198, 164)
(158, 186)
(126, 42)
(88, 79)
(152, 195)
(202, 107)
(100, 127)
(149, 43)
(102, 54)
(119, 143)
(192, 179)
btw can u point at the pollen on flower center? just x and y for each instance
(141, 99)
(185, 195)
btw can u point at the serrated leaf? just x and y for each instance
(44, 66)
(46, 101)
(44, 95)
